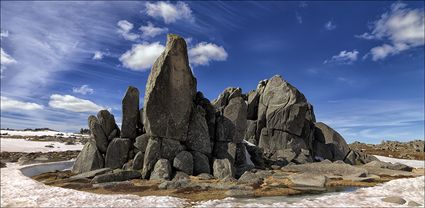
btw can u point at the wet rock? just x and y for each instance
(170, 91)
(130, 113)
(308, 179)
(184, 162)
(162, 170)
(394, 200)
(117, 153)
(91, 174)
(89, 159)
(222, 168)
(121, 175)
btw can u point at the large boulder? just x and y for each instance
(231, 123)
(130, 113)
(162, 170)
(117, 153)
(184, 162)
(225, 150)
(222, 168)
(107, 122)
(170, 92)
(334, 142)
(201, 163)
(170, 148)
(89, 159)
(198, 135)
(285, 118)
(152, 154)
(100, 138)
(141, 142)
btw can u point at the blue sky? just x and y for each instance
(361, 64)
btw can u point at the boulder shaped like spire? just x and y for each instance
(130, 113)
(170, 92)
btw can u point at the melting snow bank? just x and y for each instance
(411, 189)
(17, 190)
(411, 163)
(22, 145)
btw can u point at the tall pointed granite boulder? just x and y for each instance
(170, 92)
(130, 113)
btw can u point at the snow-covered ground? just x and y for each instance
(411, 189)
(20, 191)
(411, 163)
(22, 145)
(39, 133)
(17, 190)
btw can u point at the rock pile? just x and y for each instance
(179, 132)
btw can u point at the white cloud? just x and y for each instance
(74, 104)
(98, 55)
(169, 12)
(150, 31)
(4, 34)
(84, 90)
(330, 26)
(344, 57)
(124, 28)
(204, 52)
(142, 56)
(9, 104)
(400, 28)
(6, 58)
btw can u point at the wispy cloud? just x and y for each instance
(98, 55)
(373, 120)
(299, 17)
(330, 26)
(84, 90)
(150, 31)
(4, 34)
(74, 104)
(400, 29)
(124, 29)
(168, 11)
(344, 57)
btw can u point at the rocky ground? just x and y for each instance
(24, 158)
(413, 150)
(290, 180)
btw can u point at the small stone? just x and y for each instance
(394, 200)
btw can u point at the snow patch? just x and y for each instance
(40, 133)
(248, 158)
(22, 145)
(17, 190)
(411, 189)
(411, 163)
